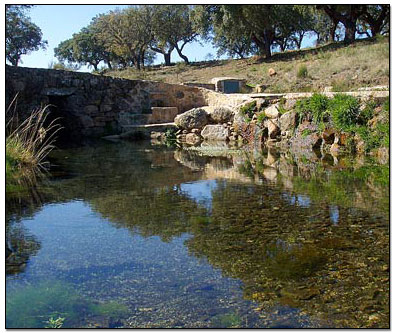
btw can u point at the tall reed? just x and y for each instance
(28, 143)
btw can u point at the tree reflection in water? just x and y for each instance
(304, 232)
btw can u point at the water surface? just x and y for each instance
(134, 235)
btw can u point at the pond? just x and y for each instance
(136, 235)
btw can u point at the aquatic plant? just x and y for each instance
(32, 305)
(55, 323)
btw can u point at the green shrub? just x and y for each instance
(248, 110)
(306, 132)
(316, 106)
(367, 113)
(261, 117)
(302, 71)
(386, 105)
(344, 110)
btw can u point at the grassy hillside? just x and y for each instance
(365, 63)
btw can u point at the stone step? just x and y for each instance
(163, 114)
(151, 127)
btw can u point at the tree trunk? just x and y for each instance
(332, 33)
(375, 28)
(268, 40)
(167, 58)
(183, 57)
(351, 28)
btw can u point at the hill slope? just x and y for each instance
(365, 63)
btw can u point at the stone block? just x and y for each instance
(215, 133)
(163, 114)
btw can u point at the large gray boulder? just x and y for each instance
(222, 115)
(215, 133)
(194, 118)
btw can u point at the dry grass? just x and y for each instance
(365, 63)
(28, 143)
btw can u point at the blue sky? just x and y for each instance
(59, 22)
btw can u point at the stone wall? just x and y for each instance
(93, 105)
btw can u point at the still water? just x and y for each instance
(136, 235)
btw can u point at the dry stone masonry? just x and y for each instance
(94, 105)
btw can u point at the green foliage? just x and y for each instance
(374, 138)
(31, 306)
(261, 117)
(170, 136)
(63, 66)
(248, 110)
(110, 309)
(344, 111)
(22, 35)
(346, 115)
(172, 28)
(316, 106)
(281, 106)
(240, 30)
(302, 71)
(386, 105)
(55, 323)
(367, 113)
(226, 320)
(306, 132)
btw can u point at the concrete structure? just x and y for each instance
(229, 85)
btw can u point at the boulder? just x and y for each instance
(215, 133)
(272, 111)
(194, 118)
(306, 137)
(271, 72)
(288, 121)
(193, 139)
(272, 128)
(222, 115)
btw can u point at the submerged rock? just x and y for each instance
(193, 138)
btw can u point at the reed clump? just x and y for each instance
(29, 142)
